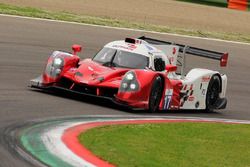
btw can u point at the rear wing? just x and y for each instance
(222, 57)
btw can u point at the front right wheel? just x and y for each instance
(155, 94)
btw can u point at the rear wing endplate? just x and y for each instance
(222, 57)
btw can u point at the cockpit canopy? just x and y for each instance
(135, 54)
(120, 58)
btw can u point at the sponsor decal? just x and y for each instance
(174, 50)
(205, 79)
(149, 47)
(191, 98)
(203, 92)
(167, 99)
(130, 47)
(188, 91)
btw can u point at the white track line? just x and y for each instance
(127, 29)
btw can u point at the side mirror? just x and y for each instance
(159, 64)
(76, 48)
(171, 68)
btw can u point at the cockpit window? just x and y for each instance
(105, 55)
(120, 58)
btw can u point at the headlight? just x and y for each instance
(124, 85)
(58, 71)
(54, 68)
(132, 86)
(129, 83)
(58, 61)
(130, 76)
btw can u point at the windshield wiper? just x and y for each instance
(110, 63)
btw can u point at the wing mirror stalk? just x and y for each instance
(76, 48)
(171, 68)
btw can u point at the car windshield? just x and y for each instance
(120, 58)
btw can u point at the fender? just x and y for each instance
(223, 86)
(57, 64)
(138, 98)
(195, 87)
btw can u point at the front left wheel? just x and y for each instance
(155, 94)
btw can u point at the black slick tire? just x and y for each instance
(213, 92)
(155, 94)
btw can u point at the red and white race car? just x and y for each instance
(139, 73)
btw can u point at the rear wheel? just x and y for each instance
(155, 94)
(213, 93)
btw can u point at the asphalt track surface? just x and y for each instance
(26, 44)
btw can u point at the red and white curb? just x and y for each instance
(62, 140)
(55, 145)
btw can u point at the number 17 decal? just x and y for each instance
(167, 99)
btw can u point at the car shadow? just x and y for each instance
(82, 98)
(108, 103)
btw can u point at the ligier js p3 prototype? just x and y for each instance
(140, 73)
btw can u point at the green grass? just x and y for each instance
(171, 145)
(106, 21)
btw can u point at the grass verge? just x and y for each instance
(105, 21)
(172, 145)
